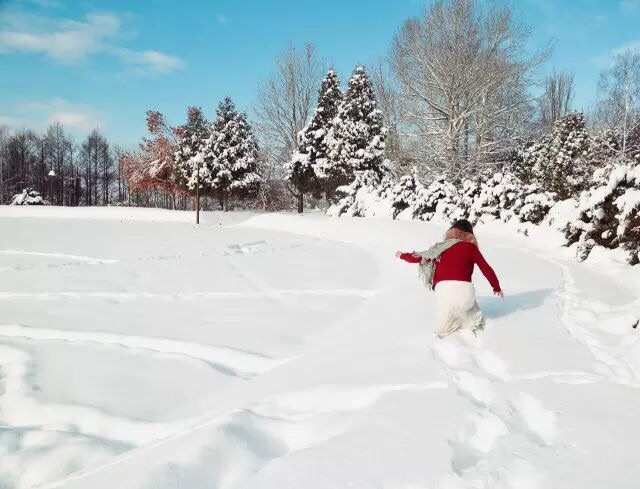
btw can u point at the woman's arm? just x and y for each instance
(486, 270)
(409, 257)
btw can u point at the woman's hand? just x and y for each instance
(398, 253)
(499, 293)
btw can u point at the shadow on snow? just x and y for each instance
(494, 307)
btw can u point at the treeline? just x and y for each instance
(452, 101)
(584, 183)
(63, 171)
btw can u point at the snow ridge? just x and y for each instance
(226, 360)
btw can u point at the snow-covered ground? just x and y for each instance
(275, 351)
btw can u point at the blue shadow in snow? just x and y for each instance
(494, 307)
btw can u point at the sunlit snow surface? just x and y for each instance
(276, 351)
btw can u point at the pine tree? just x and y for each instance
(231, 154)
(357, 138)
(306, 171)
(561, 162)
(192, 137)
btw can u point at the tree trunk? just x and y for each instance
(226, 202)
(300, 198)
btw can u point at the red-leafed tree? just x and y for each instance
(151, 167)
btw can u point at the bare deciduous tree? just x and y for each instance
(556, 100)
(464, 72)
(286, 102)
(619, 104)
(390, 101)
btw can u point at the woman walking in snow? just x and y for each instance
(447, 267)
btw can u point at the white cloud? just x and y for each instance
(68, 42)
(72, 42)
(150, 62)
(74, 120)
(38, 115)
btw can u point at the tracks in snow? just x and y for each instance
(75, 260)
(247, 248)
(475, 371)
(581, 318)
(495, 418)
(185, 296)
(229, 361)
(81, 258)
(611, 363)
(241, 443)
(19, 410)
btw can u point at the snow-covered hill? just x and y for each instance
(276, 351)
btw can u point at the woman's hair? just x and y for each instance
(463, 225)
(462, 230)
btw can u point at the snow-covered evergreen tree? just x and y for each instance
(605, 147)
(231, 154)
(561, 162)
(533, 204)
(357, 138)
(438, 200)
(309, 169)
(405, 192)
(609, 213)
(368, 195)
(192, 137)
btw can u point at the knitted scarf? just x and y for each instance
(430, 257)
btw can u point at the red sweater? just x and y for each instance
(457, 262)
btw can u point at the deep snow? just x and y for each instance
(272, 351)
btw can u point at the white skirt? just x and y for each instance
(456, 308)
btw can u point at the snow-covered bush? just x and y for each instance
(609, 213)
(468, 193)
(438, 201)
(496, 197)
(369, 195)
(505, 197)
(533, 205)
(404, 193)
(28, 196)
(560, 162)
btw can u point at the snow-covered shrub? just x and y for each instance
(368, 195)
(468, 193)
(504, 197)
(609, 214)
(562, 213)
(605, 146)
(560, 162)
(28, 196)
(533, 205)
(438, 201)
(404, 193)
(496, 197)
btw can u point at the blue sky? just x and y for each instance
(104, 64)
